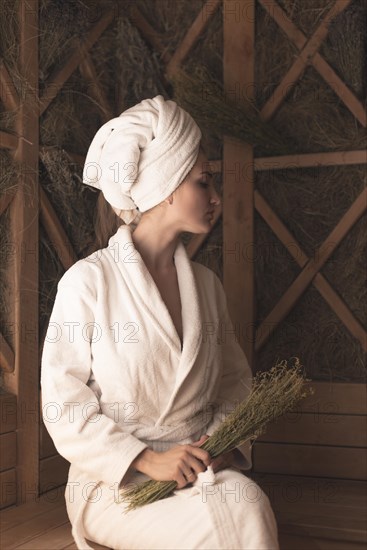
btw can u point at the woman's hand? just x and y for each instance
(225, 460)
(220, 462)
(181, 464)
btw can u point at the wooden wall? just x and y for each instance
(324, 437)
(8, 449)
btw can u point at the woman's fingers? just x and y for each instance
(181, 480)
(223, 461)
(192, 463)
(217, 464)
(189, 475)
(202, 455)
(201, 441)
(185, 473)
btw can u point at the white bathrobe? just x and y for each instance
(115, 380)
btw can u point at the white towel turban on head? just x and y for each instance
(140, 157)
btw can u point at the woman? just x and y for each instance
(140, 363)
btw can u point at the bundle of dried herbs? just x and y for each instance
(274, 392)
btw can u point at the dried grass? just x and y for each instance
(213, 109)
(170, 19)
(139, 71)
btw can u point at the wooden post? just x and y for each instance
(238, 175)
(24, 381)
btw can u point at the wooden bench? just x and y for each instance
(39, 525)
(312, 465)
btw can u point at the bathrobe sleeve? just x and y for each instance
(92, 441)
(235, 382)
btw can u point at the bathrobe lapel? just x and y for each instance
(149, 300)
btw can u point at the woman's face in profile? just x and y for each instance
(196, 199)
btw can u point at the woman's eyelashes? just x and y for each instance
(206, 182)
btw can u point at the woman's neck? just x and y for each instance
(156, 245)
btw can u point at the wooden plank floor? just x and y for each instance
(39, 525)
(318, 516)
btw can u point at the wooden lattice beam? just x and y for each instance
(303, 59)
(5, 200)
(311, 269)
(89, 73)
(335, 302)
(294, 248)
(62, 75)
(338, 158)
(149, 33)
(6, 355)
(307, 160)
(56, 232)
(8, 93)
(192, 35)
(328, 74)
(8, 141)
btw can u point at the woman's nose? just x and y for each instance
(215, 198)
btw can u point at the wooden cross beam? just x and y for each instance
(56, 232)
(308, 160)
(89, 73)
(151, 35)
(5, 200)
(62, 75)
(335, 302)
(8, 93)
(8, 141)
(80, 57)
(296, 70)
(192, 35)
(317, 61)
(310, 269)
(7, 358)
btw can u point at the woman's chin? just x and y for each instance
(204, 227)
